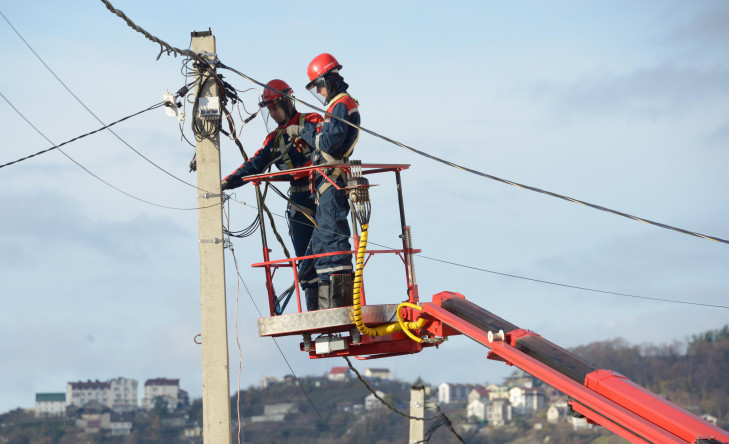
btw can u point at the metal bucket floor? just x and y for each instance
(320, 321)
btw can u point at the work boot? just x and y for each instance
(340, 290)
(323, 293)
(311, 294)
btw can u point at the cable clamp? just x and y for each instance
(216, 241)
(212, 195)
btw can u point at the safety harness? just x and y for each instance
(335, 173)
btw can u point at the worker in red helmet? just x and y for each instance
(280, 148)
(333, 143)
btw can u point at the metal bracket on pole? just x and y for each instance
(212, 195)
(225, 242)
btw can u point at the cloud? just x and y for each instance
(48, 224)
(708, 29)
(664, 89)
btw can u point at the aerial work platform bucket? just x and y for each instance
(333, 332)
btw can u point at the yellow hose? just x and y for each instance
(357, 290)
(381, 330)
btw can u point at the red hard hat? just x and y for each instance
(322, 64)
(269, 95)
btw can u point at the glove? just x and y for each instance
(293, 130)
(223, 185)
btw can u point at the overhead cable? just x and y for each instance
(91, 173)
(298, 382)
(169, 49)
(674, 301)
(89, 110)
(155, 106)
(479, 173)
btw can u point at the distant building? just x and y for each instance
(339, 374)
(123, 395)
(50, 404)
(121, 423)
(520, 378)
(478, 393)
(498, 413)
(266, 381)
(525, 400)
(380, 373)
(557, 411)
(119, 394)
(167, 390)
(449, 393)
(372, 403)
(580, 424)
(476, 409)
(82, 393)
(498, 392)
(275, 412)
(94, 422)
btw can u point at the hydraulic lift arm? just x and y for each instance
(603, 397)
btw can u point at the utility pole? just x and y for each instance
(215, 377)
(417, 410)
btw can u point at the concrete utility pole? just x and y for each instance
(417, 409)
(215, 377)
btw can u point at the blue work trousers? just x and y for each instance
(332, 233)
(300, 229)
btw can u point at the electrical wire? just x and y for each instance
(169, 49)
(288, 364)
(89, 110)
(476, 172)
(575, 287)
(158, 105)
(89, 171)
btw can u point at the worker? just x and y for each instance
(333, 143)
(286, 152)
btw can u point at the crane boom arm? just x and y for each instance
(602, 396)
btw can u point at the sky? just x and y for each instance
(621, 104)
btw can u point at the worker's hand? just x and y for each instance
(293, 130)
(224, 185)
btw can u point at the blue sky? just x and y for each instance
(621, 104)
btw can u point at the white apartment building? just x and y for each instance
(450, 393)
(119, 394)
(81, 393)
(123, 394)
(50, 404)
(166, 389)
(525, 400)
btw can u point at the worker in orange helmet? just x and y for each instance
(280, 148)
(333, 143)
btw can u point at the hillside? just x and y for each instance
(689, 373)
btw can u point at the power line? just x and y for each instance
(166, 47)
(87, 170)
(88, 109)
(479, 173)
(541, 281)
(158, 105)
(321, 418)
(675, 301)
